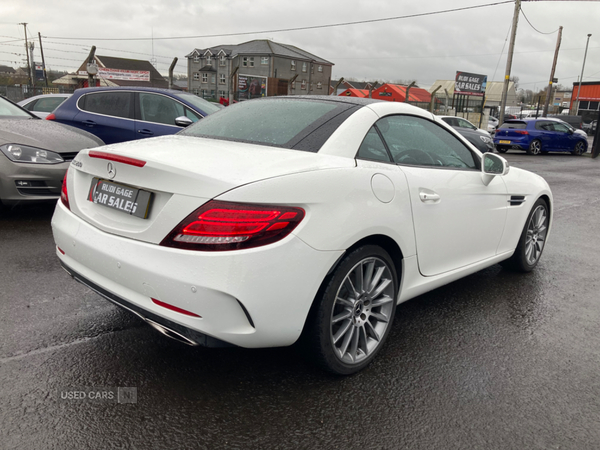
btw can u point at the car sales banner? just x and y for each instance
(470, 84)
(118, 74)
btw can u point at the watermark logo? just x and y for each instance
(120, 395)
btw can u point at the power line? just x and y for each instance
(541, 32)
(314, 27)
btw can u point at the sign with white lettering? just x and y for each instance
(135, 202)
(470, 84)
(118, 74)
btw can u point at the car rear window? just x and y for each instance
(513, 126)
(278, 122)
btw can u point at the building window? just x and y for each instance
(196, 91)
(205, 78)
(208, 60)
(222, 94)
(196, 76)
(319, 85)
(303, 67)
(251, 61)
(293, 65)
(222, 59)
(196, 58)
(222, 78)
(245, 61)
(213, 78)
(248, 61)
(303, 85)
(212, 93)
(320, 69)
(264, 60)
(203, 92)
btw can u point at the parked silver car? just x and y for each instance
(35, 154)
(44, 104)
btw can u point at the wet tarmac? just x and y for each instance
(497, 360)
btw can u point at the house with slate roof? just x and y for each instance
(256, 68)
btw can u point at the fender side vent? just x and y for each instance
(516, 200)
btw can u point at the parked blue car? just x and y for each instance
(119, 114)
(540, 135)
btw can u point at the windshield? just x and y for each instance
(200, 103)
(276, 122)
(7, 109)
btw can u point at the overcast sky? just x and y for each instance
(424, 48)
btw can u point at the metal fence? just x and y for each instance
(18, 93)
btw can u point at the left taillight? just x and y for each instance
(64, 194)
(219, 226)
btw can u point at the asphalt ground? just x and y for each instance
(497, 360)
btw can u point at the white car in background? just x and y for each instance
(291, 218)
(42, 105)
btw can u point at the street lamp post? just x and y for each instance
(581, 77)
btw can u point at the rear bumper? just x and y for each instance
(250, 298)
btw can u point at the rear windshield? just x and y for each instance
(274, 122)
(513, 126)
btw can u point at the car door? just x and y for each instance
(108, 115)
(566, 138)
(544, 132)
(458, 219)
(156, 114)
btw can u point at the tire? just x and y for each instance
(532, 241)
(580, 149)
(351, 319)
(535, 147)
(501, 149)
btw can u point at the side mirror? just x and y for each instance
(183, 121)
(493, 165)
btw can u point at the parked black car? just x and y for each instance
(481, 139)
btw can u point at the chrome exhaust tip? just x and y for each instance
(170, 333)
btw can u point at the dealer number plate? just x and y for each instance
(135, 202)
(504, 142)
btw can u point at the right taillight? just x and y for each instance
(64, 195)
(51, 116)
(219, 226)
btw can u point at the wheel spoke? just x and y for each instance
(352, 288)
(371, 331)
(347, 338)
(368, 275)
(344, 302)
(375, 279)
(341, 316)
(379, 317)
(382, 286)
(383, 300)
(342, 331)
(363, 341)
(354, 344)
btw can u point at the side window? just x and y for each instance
(194, 117)
(561, 128)
(465, 124)
(373, 148)
(159, 109)
(48, 104)
(117, 104)
(418, 141)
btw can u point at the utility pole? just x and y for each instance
(511, 49)
(43, 60)
(92, 69)
(27, 51)
(581, 77)
(549, 89)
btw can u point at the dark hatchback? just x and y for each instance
(127, 113)
(541, 135)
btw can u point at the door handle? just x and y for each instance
(145, 131)
(429, 197)
(89, 123)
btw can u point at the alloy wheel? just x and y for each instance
(362, 310)
(537, 229)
